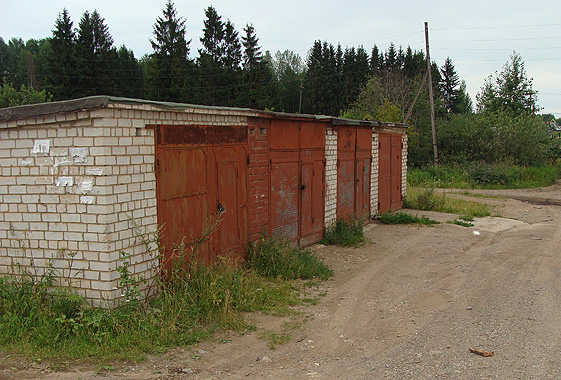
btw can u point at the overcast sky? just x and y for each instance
(477, 35)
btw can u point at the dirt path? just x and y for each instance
(407, 306)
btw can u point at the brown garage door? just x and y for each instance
(389, 172)
(297, 180)
(198, 182)
(354, 154)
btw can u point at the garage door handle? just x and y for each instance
(303, 187)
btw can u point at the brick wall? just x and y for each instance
(330, 175)
(404, 151)
(374, 174)
(258, 141)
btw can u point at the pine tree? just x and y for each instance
(169, 65)
(449, 86)
(258, 76)
(376, 61)
(231, 61)
(390, 59)
(60, 77)
(95, 56)
(211, 73)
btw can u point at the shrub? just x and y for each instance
(347, 232)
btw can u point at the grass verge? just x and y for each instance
(431, 200)
(484, 175)
(346, 232)
(40, 322)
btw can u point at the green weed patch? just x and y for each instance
(346, 232)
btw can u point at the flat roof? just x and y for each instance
(103, 101)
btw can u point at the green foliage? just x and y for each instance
(480, 174)
(10, 97)
(403, 218)
(496, 137)
(276, 258)
(509, 91)
(430, 200)
(347, 232)
(462, 223)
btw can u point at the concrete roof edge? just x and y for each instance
(40, 109)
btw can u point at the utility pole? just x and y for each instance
(431, 98)
(300, 103)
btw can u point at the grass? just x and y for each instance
(346, 232)
(403, 218)
(484, 176)
(275, 258)
(432, 200)
(40, 321)
(462, 223)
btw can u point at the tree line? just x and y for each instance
(231, 70)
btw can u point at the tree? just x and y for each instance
(95, 55)
(211, 59)
(449, 85)
(10, 97)
(510, 90)
(60, 78)
(258, 75)
(169, 66)
(288, 71)
(231, 61)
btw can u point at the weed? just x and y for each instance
(274, 339)
(275, 258)
(462, 223)
(347, 232)
(403, 218)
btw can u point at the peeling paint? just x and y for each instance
(94, 171)
(65, 181)
(86, 185)
(87, 200)
(79, 155)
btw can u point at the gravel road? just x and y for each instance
(409, 305)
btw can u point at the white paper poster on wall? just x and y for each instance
(41, 147)
(65, 181)
(86, 185)
(79, 155)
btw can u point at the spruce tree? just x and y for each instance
(60, 77)
(169, 66)
(258, 76)
(210, 64)
(449, 86)
(95, 56)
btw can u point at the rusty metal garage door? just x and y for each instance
(389, 172)
(202, 174)
(353, 172)
(297, 180)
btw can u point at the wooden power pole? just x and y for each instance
(431, 98)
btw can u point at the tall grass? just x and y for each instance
(194, 299)
(431, 200)
(483, 175)
(347, 232)
(277, 259)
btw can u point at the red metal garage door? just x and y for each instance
(196, 183)
(389, 172)
(353, 173)
(297, 180)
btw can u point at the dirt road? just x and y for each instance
(407, 306)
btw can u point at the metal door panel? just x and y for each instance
(384, 173)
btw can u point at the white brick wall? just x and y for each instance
(374, 174)
(404, 150)
(330, 176)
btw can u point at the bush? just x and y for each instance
(278, 259)
(347, 232)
